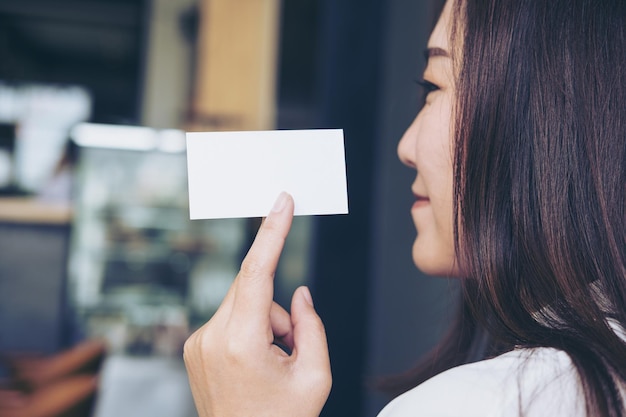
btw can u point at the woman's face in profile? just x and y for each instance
(427, 146)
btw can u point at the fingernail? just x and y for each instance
(280, 203)
(307, 295)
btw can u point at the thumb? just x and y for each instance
(310, 344)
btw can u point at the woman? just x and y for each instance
(521, 171)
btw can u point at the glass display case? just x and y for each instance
(141, 273)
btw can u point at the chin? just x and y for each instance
(435, 263)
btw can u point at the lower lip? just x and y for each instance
(421, 202)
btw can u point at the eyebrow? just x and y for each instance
(434, 52)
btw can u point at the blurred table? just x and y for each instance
(28, 210)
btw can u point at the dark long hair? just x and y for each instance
(539, 187)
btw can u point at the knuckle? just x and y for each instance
(188, 348)
(235, 350)
(252, 267)
(200, 343)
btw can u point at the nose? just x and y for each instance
(406, 146)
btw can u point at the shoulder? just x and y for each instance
(527, 382)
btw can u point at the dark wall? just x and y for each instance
(349, 69)
(380, 313)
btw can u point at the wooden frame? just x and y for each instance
(236, 70)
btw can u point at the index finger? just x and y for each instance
(254, 285)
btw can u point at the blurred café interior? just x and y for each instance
(103, 275)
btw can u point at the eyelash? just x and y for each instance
(427, 86)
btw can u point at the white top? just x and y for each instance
(529, 382)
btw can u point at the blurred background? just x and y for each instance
(103, 276)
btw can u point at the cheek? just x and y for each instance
(433, 144)
(434, 160)
(433, 251)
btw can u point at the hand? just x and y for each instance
(234, 367)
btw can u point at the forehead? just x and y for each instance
(440, 37)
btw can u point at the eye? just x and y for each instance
(427, 87)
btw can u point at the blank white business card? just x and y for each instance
(240, 174)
